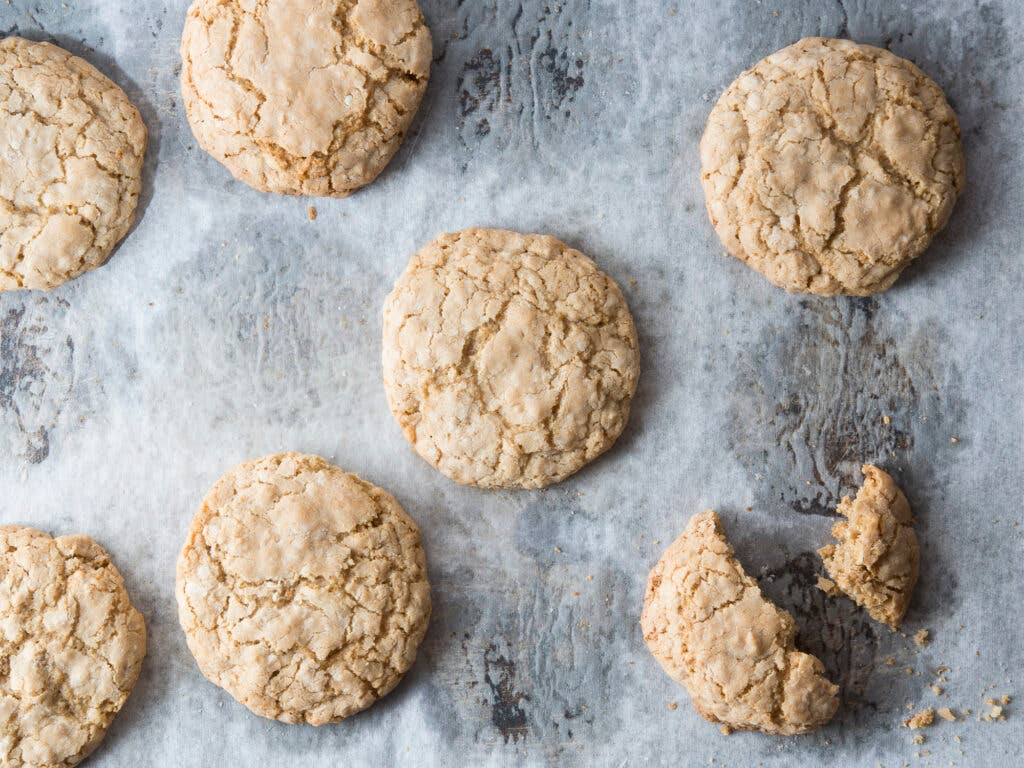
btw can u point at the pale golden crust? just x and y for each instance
(708, 625)
(876, 560)
(830, 165)
(71, 647)
(308, 97)
(70, 167)
(302, 590)
(510, 360)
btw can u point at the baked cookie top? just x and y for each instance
(876, 560)
(510, 360)
(302, 589)
(830, 165)
(71, 647)
(71, 165)
(309, 97)
(708, 625)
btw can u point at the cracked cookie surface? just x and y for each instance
(71, 647)
(302, 589)
(876, 560)
(309, 97)
(708, 625)
(510, 360)
(830, 165)
(70, 169)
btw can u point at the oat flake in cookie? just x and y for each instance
(71, 646)
(509, 360)
(302, 589)
(309, 97)
(71, 152)
(830, 165)
(708, 625)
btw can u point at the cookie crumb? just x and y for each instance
(726, 730)
(954, 439)
(937, 689)
(922, 719)
(312, 213)
(922, 638)
(673, 705)
(828, 586)
(886, 420)
(947, 714)
(891, 661)
(919, 738)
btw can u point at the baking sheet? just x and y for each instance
(228, 325)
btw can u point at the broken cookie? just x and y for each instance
(876, 559)
(708, 625)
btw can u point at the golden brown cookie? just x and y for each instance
(302, 589)
(830, 165)
(510, 360)
(70, 165)
(876, 560)
(708, 625)
(305, 97)
(71, 647)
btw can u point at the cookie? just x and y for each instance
(302, 589)
(304, 97)
(509, 360)
(876, 560)
(71, 647)
(708, 625)
(830, 165)
(70, 168)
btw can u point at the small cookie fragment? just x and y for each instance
(302, 589)
(510, 360)
(876, 560)
(70, 651)
(830, 165)
(922, 719)
(71, 152)
(304, 97)
(712, 630)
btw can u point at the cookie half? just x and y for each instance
(876, 561)
(708, 625)
(302, 589)
(510, 360)
(70, 168)
(830, 166)
(70, 650)
(304, 97)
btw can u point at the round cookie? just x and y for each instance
(71, 647)
(302, 589)
(510, 360)
(70, 168)
(830, 165)
(304, 97)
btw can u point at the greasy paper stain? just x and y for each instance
(36, 377)
(507, 713)
(829, 391)
(835, 630)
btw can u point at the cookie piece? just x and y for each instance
(876, 560)
(509, 360)
(304, 97)
(708, 625)
(830, 165)
(70, 169)
(302, 589)
(71, 647)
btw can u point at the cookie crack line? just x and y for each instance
(78, 146)
(302, 589)
(368, 64)
(510, 360)
(838, 174)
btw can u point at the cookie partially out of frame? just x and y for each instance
(71, 647)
